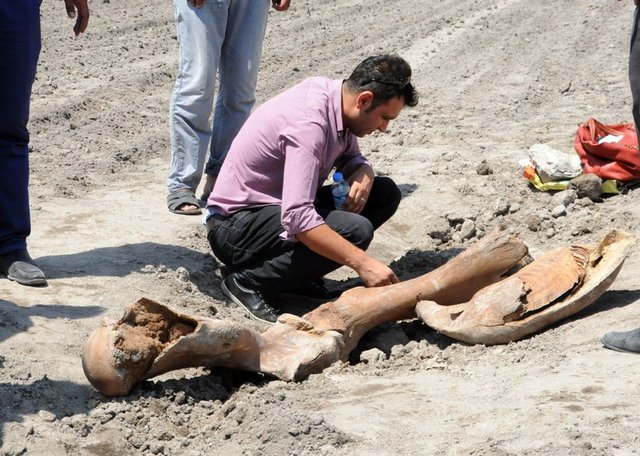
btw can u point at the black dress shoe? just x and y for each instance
(18, 266)
(252, 300)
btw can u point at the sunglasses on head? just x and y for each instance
(401, 83)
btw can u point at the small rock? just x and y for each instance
(182, 274)
(47, 416)
(501, 207)
(533, 222)
(397, 351)
(558, 211)
(180, 398)
(468, 229)
(587, 185)
(438, 228)
(458, 216)
(584, 202)
(156, 447)
(372, 356)
(483, 169)
(564, 198)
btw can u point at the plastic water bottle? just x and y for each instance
(339, 189)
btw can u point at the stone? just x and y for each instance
(587, 185)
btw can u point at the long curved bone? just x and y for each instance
(548, 290)
(151, 339)
(360, 309)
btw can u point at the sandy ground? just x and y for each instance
(495, 77)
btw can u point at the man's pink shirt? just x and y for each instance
(284, 153)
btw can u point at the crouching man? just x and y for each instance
(269, 217)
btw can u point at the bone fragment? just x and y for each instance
(550, 289)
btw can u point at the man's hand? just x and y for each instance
(80, 10)
(375, 273)
(326, 242)
(361, 182)
(280, 5)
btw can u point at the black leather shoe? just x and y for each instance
(314, 289)
(18, 266)
(252, 300)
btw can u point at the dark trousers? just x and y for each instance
(634, 71)
(250, 240)
(19, 51)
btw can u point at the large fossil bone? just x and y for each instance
(555, 286)
(151, 339)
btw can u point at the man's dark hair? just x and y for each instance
(387, 76)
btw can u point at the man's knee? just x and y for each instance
(353, 227)
(362, 233)
(389, 193)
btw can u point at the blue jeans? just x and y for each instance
(223, 38)
(19, 51)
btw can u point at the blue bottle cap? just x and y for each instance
(337, 176)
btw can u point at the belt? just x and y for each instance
(214, 221)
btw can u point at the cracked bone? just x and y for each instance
(555, 286)
(151, 339)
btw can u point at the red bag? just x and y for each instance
(609, 160)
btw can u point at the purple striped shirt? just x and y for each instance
(285, 151)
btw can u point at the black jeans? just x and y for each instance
(249, 240)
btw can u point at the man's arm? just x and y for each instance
(326, 242)
(82, 16)
(361, 182)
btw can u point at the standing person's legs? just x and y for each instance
(634, 70)
(201, 32)
(239, 65)
(19, 51)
